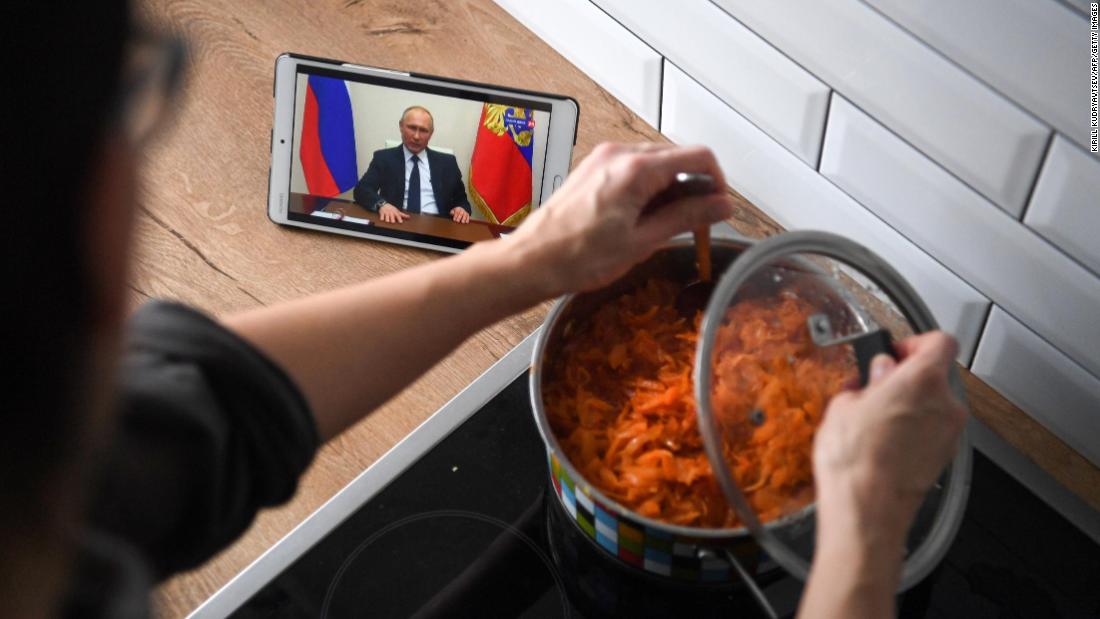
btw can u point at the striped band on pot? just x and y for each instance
(645, 547)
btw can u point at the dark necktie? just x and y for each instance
(413, 203)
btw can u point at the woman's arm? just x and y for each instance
(875, 456)
(352, 349)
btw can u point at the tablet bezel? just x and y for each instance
(561, 137)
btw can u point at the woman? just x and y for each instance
(121, 460)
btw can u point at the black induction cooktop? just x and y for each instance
(468, 528)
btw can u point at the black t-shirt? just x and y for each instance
(209, 432)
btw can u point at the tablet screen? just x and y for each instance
(413, 161)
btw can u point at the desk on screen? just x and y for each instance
(429, 225)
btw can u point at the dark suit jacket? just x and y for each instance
(385, 180)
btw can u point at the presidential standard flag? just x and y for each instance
(327, 149)
(500, 169)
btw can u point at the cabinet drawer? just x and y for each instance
(799, 198)
(763, 85)
(603, 49)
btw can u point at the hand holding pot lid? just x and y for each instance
(857, 303)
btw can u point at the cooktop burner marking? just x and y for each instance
(448, 513)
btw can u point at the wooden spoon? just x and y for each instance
(694, 297)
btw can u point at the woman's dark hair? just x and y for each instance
(61, 74)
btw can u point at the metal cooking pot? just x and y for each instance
(651, 545)
(854, 289)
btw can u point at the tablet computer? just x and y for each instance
(412, 159)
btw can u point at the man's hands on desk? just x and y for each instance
(393, 215)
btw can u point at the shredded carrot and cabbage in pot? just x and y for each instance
(620, 400)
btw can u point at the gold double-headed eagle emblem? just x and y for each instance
(494, 121)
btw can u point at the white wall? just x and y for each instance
(377, 111)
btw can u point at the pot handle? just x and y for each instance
(867, 346)
(757, 593)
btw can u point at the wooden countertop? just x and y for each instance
(204, 238)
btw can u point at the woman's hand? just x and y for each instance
(592, 230)
(875, 456)
(885, 445)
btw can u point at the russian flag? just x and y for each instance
(327, 148)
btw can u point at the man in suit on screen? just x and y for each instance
(412, 178)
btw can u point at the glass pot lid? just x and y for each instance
(793, 321)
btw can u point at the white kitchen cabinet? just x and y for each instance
(742, 69)
(607, 52)
(1002, 259)
(799, 198)
(959, 122)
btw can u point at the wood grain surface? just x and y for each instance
(204, 237)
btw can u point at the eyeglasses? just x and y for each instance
(151, 78)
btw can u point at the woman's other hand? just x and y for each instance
(592, 230)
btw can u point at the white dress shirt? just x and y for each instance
(427, 196)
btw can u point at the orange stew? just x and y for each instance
(620, 400)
